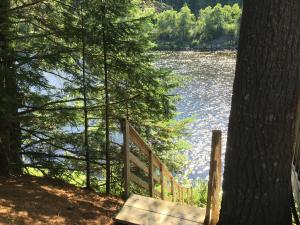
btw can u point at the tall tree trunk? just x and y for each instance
(257, 177)
(107, 124)
(85, 110)
(10, 161)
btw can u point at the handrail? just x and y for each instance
(177, 191)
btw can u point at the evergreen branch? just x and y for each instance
(48, 155)
(42, 108)
(34, 109)
(65, 4)
(26, 5)
(40, 166)
(30, 36)
(44, 56)
(44, 139)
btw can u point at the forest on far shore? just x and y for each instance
(212, 27)
(196, 5)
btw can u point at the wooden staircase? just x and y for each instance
(144, 171)
(140, 210)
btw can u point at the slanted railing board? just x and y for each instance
(134, 134)
(139, 144)
(138, 162)
(169, 189)
(156, 162)
(167, 173)
(139, 141)
(138, 181)
(156, 178)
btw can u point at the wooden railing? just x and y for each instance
(158, 181)
(214, 183)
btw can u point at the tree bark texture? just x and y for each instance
(10, 162)
(257, 176)
(107, 102)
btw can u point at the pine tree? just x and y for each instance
(78, 71)
(10, 162)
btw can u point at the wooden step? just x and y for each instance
(140, 210)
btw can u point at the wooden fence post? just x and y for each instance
(126, 157)
(151, 182)
(172, 190)
(181, 195)
(192, 199)
(178, 194)
(162, 182)
(214, 184)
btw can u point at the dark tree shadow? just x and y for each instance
(28, 200)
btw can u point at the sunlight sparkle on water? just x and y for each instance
(206, 95)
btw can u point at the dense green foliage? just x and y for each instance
(196, 5)
(215, 27)
(80, 66)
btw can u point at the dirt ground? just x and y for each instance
(34, 201)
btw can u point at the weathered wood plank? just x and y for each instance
(138, 162)
(149, 211)
(138, 181)
(168, 173)
(132, 216)
(139, 143)
(156, 162)
(156, 178)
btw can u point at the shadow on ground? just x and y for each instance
(30, 200)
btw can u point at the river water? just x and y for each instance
(205, 96)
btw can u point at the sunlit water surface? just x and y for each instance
(206, 96)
